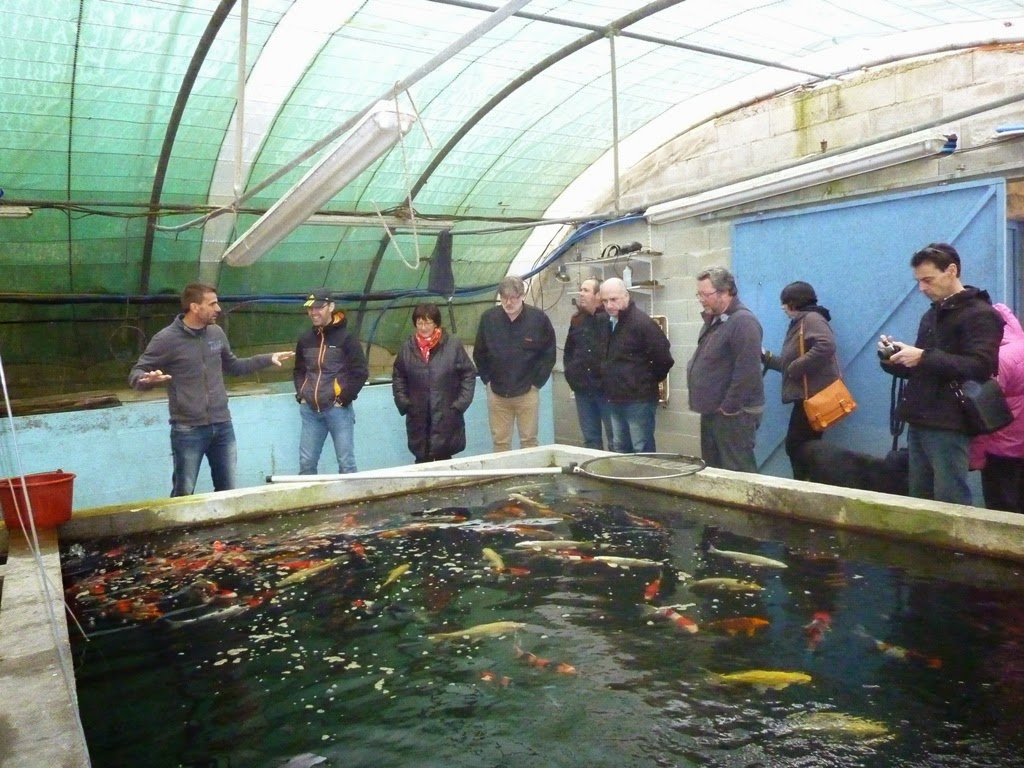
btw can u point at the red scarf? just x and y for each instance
(427, 344)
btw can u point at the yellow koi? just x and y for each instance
(764, 679)
(480, 630)
(493, 558)
(395, 575)
(300, 576)
(839, 724)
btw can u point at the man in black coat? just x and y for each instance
(958, 339)
(638, 357)
(514, 354)
(583, 361)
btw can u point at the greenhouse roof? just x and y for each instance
(141, 159)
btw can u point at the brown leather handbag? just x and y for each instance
(832, 404)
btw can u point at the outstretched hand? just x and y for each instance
(149, 378)
(279, 357)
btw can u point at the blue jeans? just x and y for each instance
(593, 413)
(188, 446)
(633, 426)
(938, 465)
(316, 425)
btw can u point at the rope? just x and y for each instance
(48, 588)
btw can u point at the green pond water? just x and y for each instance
(313, 639)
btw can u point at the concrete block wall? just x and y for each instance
(774, 133)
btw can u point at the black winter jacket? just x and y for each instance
(960, 337)
(330, 366)
(583, 356)
(433, 396)
(514, 355)
(638, 357)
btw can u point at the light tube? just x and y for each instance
(394, 223)
(380, 130)
(15, 211)
(792, 179)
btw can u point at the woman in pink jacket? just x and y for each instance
(1000, 456)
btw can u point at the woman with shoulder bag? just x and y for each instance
(1000, 455)
(805, 372)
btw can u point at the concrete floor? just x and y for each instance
(39, 724)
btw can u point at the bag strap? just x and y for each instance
(896, 425)
(835, 361)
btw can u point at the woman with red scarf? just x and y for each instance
(433, 382)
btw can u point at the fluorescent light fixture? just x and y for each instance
(791, 179)
(15, 211)
(380, 130)
(394, 223)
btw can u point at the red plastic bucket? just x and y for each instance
(48, 492)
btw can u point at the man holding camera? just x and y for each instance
(958, 339)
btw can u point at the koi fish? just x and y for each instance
(821, 622)
(732, 585)
(536, 661)
(492, 677)
(529, 502)
(300, 576)
(898, 652)
(651, 590)
(493, 629)
(669, 613)
(493, 558)
(556, 544)
(744, 624)
(223, 613)
(626, 562)
(395, 575)
(763, 679)
(755, 561)
(839, 724)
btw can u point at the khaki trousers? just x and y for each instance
(504, 412)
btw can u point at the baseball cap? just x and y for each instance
(318, 298)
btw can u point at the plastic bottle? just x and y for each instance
(627, 276)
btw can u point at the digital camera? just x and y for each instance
(887, 351)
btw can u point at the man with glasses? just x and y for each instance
(958, 339)
(583, 360)
(330, 369)
(637, 359)
(724, 375)
(514, 354)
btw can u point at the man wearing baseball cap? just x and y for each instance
(330, 369)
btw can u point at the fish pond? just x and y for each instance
(565, 622)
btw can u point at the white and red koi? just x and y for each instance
(821, 622)
(669, 613)
(540, 663)
(899, 652)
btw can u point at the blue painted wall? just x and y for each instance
(123, 454)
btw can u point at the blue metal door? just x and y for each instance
(857, 257)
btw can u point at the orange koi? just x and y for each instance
(821, 622)
(492, 677)
(747, 625)
(651, 590)
(541, 663)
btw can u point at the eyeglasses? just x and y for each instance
(706, 294)
(424, 321)
(510, 298)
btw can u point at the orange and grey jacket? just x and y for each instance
(330, 367)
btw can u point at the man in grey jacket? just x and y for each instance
(724, 375)
(191, 356)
